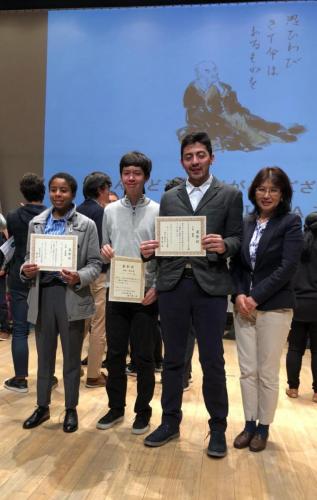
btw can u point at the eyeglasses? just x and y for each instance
(272, 191)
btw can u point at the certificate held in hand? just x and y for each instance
(54, 253)
(180, 236)
(126, 280)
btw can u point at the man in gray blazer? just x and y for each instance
(196, 288)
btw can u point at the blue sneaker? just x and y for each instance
(217, 446)
(162, 435)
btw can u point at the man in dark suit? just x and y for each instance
(196, 288)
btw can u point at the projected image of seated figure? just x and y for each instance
(212, 106)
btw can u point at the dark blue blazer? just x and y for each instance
(277, 258)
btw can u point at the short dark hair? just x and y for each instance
(32, 187)
(176, 181)
(71, 181)
(201, 137)
(280, 180)
(136, 159)
(93, 182)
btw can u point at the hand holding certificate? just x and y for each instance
(126, 280)
(54, 253)
(180, 236)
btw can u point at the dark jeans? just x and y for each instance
(186, 302)
(20, 332)
(138, 322)
(300, 332)
(4, 325)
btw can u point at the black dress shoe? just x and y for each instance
(70, 420)
(40, 415)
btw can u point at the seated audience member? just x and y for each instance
(59, 302)
(304, 324)
(126, 223)
(263, 273)
(96, 192)
(33, 190)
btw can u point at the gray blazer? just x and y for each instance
(79, 301)
(222, 205)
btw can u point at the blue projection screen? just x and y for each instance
(141, 78)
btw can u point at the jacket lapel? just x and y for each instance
(265, 239)
(183, 196)
(209, 194)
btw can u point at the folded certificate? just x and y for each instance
(180, 236)
(126, 279)
(54, 253)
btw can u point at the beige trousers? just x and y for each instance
(97, 326)
(260, 341)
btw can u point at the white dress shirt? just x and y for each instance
(196, 193)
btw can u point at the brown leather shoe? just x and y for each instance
(292, 393)
(96, 382)
(243, 439)
(258, 442)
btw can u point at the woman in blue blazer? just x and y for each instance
(263, 274)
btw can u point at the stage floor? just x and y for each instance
(46, 463)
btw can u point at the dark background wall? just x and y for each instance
(23, 40)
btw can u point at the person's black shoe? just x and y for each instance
(110, 419)
(84, 362)
(71, 420)
(162, 435)
(141, 423)
(40, 415)
(54, 382)
(130, 369)
(16, 384)
(217, 446)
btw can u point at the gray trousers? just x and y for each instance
(52, 321)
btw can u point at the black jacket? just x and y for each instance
(94, 211)
(277, 258)
(18, 226)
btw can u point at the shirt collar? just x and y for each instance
(203, 187)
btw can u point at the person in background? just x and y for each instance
(304, 324)
(96, 192)
(194, 290)
(60, 302)
(263, 274)
(33, 190)
(126, 223)
(113, 197)
(4, 317)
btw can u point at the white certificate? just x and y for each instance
(53, 253)
(180, 236)
(126, 279)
